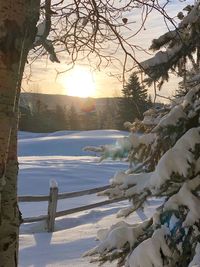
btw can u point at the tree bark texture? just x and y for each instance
(18, 20)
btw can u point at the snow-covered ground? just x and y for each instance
(59, 156)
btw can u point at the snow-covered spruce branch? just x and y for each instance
(174, 232)
(118, 150)
(114, 241)
(180, 44)
(170, 149)
(186, 198)
(118, 236)
(163, 128)
(176, 165)
(172, 125)
(196, 259)
(151, 251)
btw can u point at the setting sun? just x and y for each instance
(79, 82)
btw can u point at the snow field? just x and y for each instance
(59, 156)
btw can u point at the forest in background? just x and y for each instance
(49, 113)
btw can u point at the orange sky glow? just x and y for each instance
(82, 82)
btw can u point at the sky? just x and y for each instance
(44, 78)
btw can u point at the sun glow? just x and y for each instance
(79, 82)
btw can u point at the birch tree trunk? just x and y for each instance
(18, 20)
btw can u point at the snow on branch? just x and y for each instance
(167, 164)
(161, 57)
(118, 236)
(128, 184)
(103, 233)
(192, 16)
(98, 149)
(190, 96)
(186, 198)
(172, 117)
(176, 160)
(180, 44)
(163, 39)
(114, 151)
(150, 252)
(196, 260)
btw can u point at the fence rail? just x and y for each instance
(33, 198)
(53, 198)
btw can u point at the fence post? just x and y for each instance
(52, 205)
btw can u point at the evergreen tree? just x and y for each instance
(107, 116)
(177, 49)
(88, 121)
(168, 157)
(134, 102)
(191, 78)
(73, 119)
(43, 119)
(60, 119)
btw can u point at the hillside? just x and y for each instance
(30, 99)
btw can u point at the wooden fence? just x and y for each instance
(53, 198)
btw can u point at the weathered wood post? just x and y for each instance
(52, 205)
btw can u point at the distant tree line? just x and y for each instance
(40, 118)
(36, 116)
